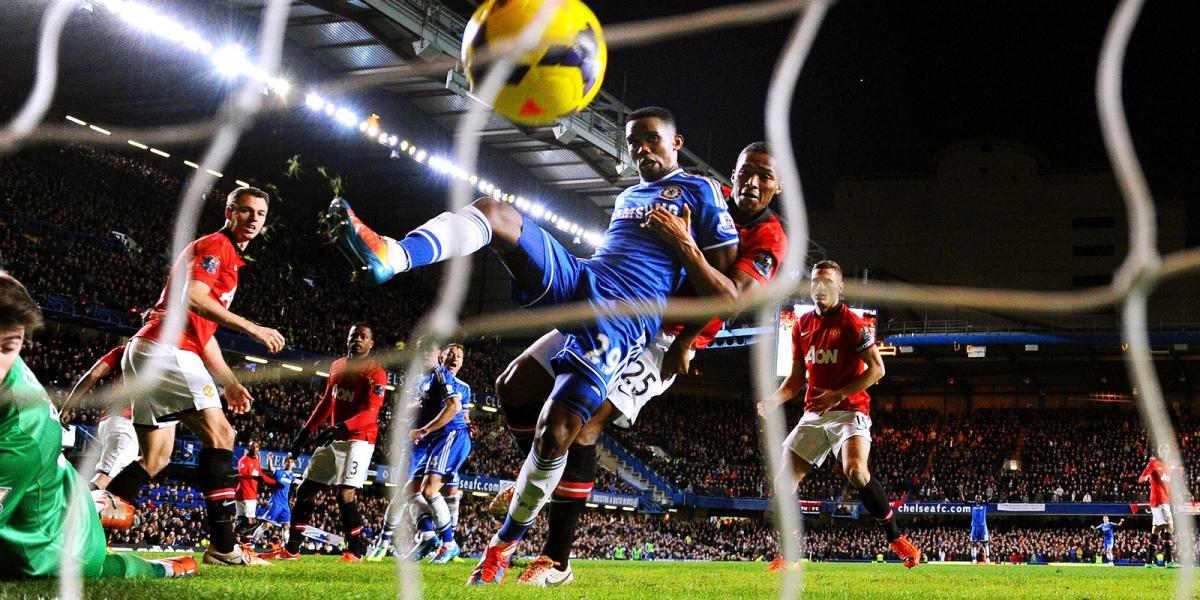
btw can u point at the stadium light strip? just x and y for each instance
(231, 60)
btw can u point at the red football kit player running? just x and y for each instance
(834, 349)
(761, 246)
(118, 440)
(173, 383)
(249, 471)
(350, 404)
(1158, 475)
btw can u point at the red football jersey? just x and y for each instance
(353, 395)
(248, 472)
(113, 359)
(215, 261)
(829, 345)
(761, 245)
(1157, 474)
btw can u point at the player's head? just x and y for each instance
(978, 498)
(19, 316)
(289, 463)
(826, 285)
(755, 181)
(452, 357)
(429, 351)
(1104, 518)
(246, 212)
(653, 142)
(360, 341)
(254, 447)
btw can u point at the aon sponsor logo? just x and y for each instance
(821, 356)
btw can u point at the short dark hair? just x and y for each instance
(17, 308)
(246, 191)
(657, 112)
(364, 325)
(828, 264)
(454, 345)
(760, 147)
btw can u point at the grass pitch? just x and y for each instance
(324, 578)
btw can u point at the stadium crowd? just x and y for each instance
(113, 255)
(1058, 543)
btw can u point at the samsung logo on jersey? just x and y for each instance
(820, 356)
(639, 212)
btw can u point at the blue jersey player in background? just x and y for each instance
(632, 268)
(440, 445)
(979, 531)
(279, 511)
(1109, 530)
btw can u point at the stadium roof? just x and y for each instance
(582, 156)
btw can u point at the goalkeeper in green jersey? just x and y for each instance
(38, 487)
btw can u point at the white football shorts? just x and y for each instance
(343, 462)
(118, 444)
(1161, 515)
(815, 436)
(247, 508)
(179, 382)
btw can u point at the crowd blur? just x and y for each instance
(1063, 542)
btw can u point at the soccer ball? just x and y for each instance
(559, 77)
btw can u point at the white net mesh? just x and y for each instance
(1141, 271)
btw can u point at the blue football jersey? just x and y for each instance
(437, 386)
(1107, 529)
(979, 515)
(285, 479)
(636, 257)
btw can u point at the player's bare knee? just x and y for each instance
(858, 475)
(154, 464)
(429, 488)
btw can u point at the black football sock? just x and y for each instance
(128, 483)
(352, 526)
(215, 479)
(301, 513)
(567, 503)
(1151, 554)
(876, 501)
(1168, 545)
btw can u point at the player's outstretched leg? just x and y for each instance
(448, 235)
(566, 505)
